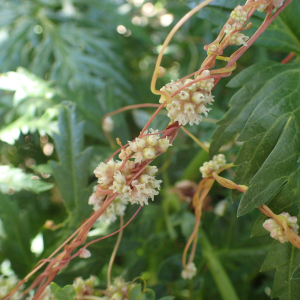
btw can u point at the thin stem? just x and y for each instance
(216, 268)
(113, 255)
(195, 139)
(288, 58)
(168, 39)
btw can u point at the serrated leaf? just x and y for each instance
(244, 101)
(71, 172)
(286, 259)
(269, 158)
(65, 293)
(268, 161)
(15, 179)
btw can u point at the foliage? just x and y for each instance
(64, 66)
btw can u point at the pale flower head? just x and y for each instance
(108, 124)
(238, 39)
(189, 272)
(276, 231)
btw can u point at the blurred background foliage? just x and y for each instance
(65, 64)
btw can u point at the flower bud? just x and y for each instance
(149, 153)
(108, 124)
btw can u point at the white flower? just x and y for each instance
(119, 183)
(206, 84)
(84, 287)
(144, 186)
(276, 3)
(148, 146)
(105, 172)
(219, 210)
(276, 231)
(238, 39)
(7, 284)
(188, 105)
(213, 165)
(84, 253)
(239, 15)
(108, 124)
(189, 272)
(212, 48)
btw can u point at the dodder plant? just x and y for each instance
(267, 171)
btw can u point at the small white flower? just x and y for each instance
(105, 172)
(149, 153)
(148, 146)
(84, 253)
(7, 284)
(276, 231)
(192, 87)
(188, 104)
(238, 39)
(116, 208)
(213, 165)
(220, 208)
(206, 84)
(108, 124)
(212, 48)
(189, 272)
(239, 15)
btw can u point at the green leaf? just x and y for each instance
(149, 294)
(14, 180)
(15, 236)
(268, 160)
(71, 172)
(286, 259)
(167, 298)
(136, 293)
(244, 101)
(65, 293)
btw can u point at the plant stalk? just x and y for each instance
(218, 272)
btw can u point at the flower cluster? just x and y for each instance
(116, 208)
(189, 272)
(84, 287)
(113, 179)
(239, 15)
(119, 290)
(81, 287)
(277, 232)
(276, 4)
(146, 147)
(7, 284)
(213, 165)
(187, 105)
